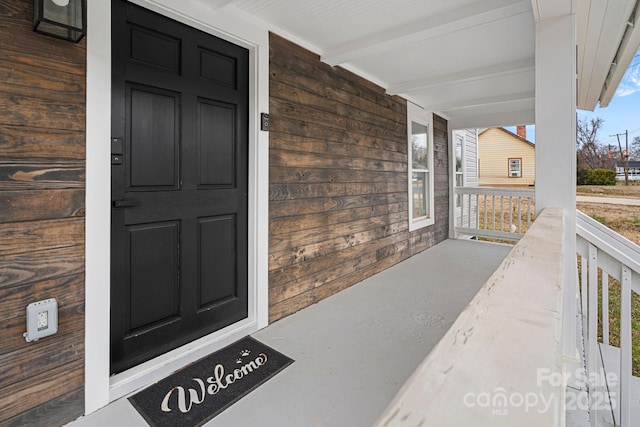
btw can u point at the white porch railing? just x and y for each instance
(502, 213)
(501, 362)
(604, 254)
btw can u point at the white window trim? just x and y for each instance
(425, 118)
(519, 159)
(458, 135)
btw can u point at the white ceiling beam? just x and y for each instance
(507, 118)
(548, 9)
(479, 102)
(476, 74)
(218, 4)
(475, 14)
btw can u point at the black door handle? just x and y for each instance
(124, 203)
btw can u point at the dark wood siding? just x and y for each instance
(42, 172)
(440, 230)
(338, 180)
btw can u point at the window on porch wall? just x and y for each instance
(459, 164)
(420, 150)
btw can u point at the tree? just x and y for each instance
(591, 155)
(634, 149)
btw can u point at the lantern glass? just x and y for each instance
(64, 19)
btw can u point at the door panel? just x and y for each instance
(164, 55)
(179, 218)
(217, 279)
(154, 271)
(219, 68)
(216, 143)
(153, 149)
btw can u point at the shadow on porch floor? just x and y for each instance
(354, 350)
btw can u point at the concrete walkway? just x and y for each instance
(608, 200)
(354, 350)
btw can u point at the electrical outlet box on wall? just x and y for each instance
(42, 319)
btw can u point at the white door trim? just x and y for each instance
(100, 389)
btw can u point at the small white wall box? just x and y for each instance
(42, 319)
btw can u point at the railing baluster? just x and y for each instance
(460, 218)
(476, 225)
(493, 212)
(625, 348)
(468, 199)
(519, 214)
(605, 308)
(501, 213)
(460, 200)
(456, 201)
(583, 292)
(469, 211)
(510, 213)
(485, 211)
(592, 322)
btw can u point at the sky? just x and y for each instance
(622, 114)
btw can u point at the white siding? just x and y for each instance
(470, 174)
(471, 158)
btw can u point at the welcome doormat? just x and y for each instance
(199, 392)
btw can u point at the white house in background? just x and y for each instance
(633, 170)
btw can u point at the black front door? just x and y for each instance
(179, 184)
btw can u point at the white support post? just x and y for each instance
(555, 184)
(625, 348)
(556, 113)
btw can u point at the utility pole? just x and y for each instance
(624, 159)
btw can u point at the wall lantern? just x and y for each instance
(64, 19)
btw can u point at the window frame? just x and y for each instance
(460, 178)
(519, 159)
(417, 115)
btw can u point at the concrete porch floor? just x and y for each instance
(354, 350)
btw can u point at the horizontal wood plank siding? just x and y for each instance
(42, 204)
(338, 180)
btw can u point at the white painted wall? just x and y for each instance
(100, 388)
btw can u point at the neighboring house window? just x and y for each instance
(515, 168)
(420, 150)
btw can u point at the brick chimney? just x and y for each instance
(521, 131)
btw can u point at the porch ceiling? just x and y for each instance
(472, 61)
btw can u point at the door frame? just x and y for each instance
(100, 388)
